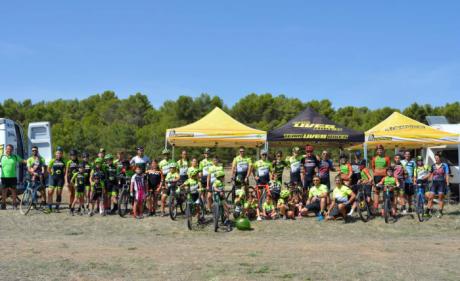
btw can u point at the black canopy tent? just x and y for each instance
(310, 127)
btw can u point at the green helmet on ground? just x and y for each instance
(220, 174)
(243, 224)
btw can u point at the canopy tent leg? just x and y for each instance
(365, 154)
(172, 152)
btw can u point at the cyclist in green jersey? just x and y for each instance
(71, 168)
(316, 201)
(9, 163)
(88, 168)
(111, 184)
(218, 186)
(390, 181)
(171, 181)
(193, 167)
(262, 169)
(213, 170)
(79, 182)
(241, 167)
(97, 193)
(268, 209)
(295, 162)
(36, 166)
(278, 166)
(184, 164)
(166, 163)
(193, 186)
(343, 197)
(57, 171)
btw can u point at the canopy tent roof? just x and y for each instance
(312, 127)
(399, 130)
(217, 128)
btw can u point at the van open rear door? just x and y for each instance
(40, 135)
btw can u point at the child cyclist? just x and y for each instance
(137, 192)
(391, 182)
(170, 182)
(218, 187)
(78, 180)
(268, 209)
(97, 194)
(282, 204)
(251, 209)
(365, 182)
(193, 186)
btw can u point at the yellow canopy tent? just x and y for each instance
(217, 128)
(403, 132)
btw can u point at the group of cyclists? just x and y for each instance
(95, 185)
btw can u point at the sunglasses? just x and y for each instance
(241, 151)
(315, 180)
(34, 150)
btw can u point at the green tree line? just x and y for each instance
(104, 120)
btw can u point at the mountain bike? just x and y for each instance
(125, 201)
(32, 192)
(191, 208)
(387, 198)
(236, 185)
(218, 212)
(420, 201)
(176, 200)
(364, 206)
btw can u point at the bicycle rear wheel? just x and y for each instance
(386, 209)
(26, 202)
(363, 208)
(188, 215)
(172, 204)
(420, 208)
(124, 206)
(216, 215)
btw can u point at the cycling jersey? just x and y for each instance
(399, 171)
(218, 185)
(72, 168)
(38, 162)
(310, 163)
(341, 193)
(57, 167)
(164, 166)
(183, 167)
(204, 166)
(365, 174)
(99, 172)
(98, 187)
(410, 167)
(380, 164)
(142, 162)
(193, 184)
(317, 191)
(421, 172)
(389, 181)
(172, 177)
(262, 170)
(111, 173)
(79, 181)
(278, 168)
(242, 165)
(9, 165)
(324, 168)
(345, 169)
(212, 171)
(439, 172)
(137, 180)
(154, 178)
(191, 170)
(88, 168)
(268, 207)
(294, 163)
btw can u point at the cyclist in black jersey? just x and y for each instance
(154, 180)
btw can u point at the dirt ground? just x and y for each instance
(62, 247)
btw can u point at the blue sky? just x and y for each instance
(370, 53)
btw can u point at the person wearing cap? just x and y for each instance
(57, 172)
(71, 168)
(140, 159)
(241, 166)
(9, 180)
(183, 164)
(409, 190)
(204, 166)
(165, 164)
(379, 164)
(324, 170)
(78, 180)
(294, 162)
(356, 172)
(262, 168)
(310, 164)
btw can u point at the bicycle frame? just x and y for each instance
(260, 188)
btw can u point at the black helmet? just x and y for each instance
(85, 154)
(139, 148)
(363, 162)
(81, 165)
(73, 152)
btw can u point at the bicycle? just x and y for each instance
(190, 210)
(262, 190)
(236, 185)
(219, 212)
(30, 196)
(387, 202)
(176, 200)
(364, 206)
(420, 201)
(124, 198)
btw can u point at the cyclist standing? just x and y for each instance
(422, 174)
(204, 166)
(310, 166)
(380, 163)
(262, 169)
(36, 165)
(140, 159)
(71, 168)
(356, 171)
(278, 166)
(295, 161)
(241, 167)
(324, 169)
(165, 164)
(88, 167)
(111, 184)
(401, 174)
(9, 161)
(440, 181)
(409, 166)
(154, 180)
(184, 164)
(57, 172)
(213, 170)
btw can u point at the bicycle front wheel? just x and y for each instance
(188, 215)
(26, 202)
(363, 208)
(124, 206)
(216, 215)
(172, 204)
(387, 209)
(420, 208)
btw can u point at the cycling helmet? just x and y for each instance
(73, 152)
(173, 166)
(419, 158)
(358, 153)
(220, 174)
(363, 162)
(285, 193)
(102, 150)
(165, 151)
(206, 151)
(194, 173)
(140, 148)
(309, 148)
(59, 148)
(108, 156)
(98, 161)
(85, 154)
(240, 193)
(243, 224)
(295, 149)
(263, 151)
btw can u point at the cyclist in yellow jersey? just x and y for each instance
(184, 164)
(213, 170)
(316, 201)
(343, 197)
(204, 167)
(241, 166)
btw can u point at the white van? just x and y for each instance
(450, 153)
(12, 133)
